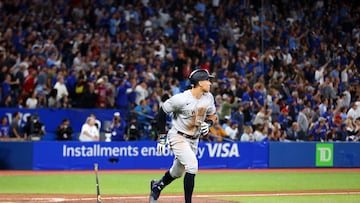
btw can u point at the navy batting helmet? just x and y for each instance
(199, 75)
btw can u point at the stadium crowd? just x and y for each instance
(285, 70)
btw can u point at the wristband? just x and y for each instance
(210, 122)
(162, 135)
(162, 138)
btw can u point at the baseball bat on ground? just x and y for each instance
(98, 196)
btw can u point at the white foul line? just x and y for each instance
(247, 195)
(280, 194)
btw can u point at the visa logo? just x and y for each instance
(223, 150)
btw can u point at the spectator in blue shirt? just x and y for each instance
(328, 115)
(4, 128)
(117, 128)
(284, 119)
(122, 98)
(259, 96)
(142, 111)
(5, 87)
(246, 97)
(320, 130)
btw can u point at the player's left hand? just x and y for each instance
(161, 145)
(204, 128)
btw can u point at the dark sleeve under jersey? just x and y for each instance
(161, 121)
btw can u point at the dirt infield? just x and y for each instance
(198, 198)
(92, 199)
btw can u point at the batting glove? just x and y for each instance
(161, 145)
(204, 128)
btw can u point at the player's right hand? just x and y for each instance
(161, 145)
(204, 128)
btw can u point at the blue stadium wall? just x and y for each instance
(75, 155)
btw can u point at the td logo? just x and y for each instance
(324, 154)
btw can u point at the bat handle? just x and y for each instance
(96, 167)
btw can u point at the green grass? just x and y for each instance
(207, 182)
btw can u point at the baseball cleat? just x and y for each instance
(155, 190)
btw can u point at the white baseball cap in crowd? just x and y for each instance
(100, 80)
(321, 119)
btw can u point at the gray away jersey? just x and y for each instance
(188, 112)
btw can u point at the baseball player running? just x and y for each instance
(193, 112)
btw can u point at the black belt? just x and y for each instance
(188, 136)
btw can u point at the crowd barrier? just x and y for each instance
(74, 155)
